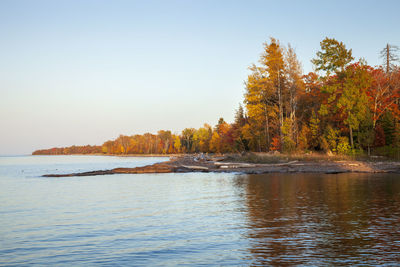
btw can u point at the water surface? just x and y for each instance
(194, 219)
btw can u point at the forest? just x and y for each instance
(344, 107)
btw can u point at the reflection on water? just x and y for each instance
(192, 218)
(323, 219)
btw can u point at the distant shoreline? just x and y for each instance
(112, 155)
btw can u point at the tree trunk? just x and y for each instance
(374, 113)
(267, 130)
(351, 137)
(293, 115)
(280, 108)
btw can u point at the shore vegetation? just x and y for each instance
(344, 108)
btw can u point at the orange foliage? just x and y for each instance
(275, 144)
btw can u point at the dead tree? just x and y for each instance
(390, 57)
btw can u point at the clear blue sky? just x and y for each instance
(82, 72)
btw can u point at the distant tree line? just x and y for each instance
(344, 107)
(69, 150)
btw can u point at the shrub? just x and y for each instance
(275, 144)
(331, 136)
(343, 146)
(288, 144)
(303, 138)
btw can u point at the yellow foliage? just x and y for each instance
(177, 144)
(215, 143)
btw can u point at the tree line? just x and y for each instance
(342, 107)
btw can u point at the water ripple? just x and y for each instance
(193, 219)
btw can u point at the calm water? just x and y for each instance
(193, 219)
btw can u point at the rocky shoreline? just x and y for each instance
(220, 164)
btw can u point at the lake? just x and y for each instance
(192, 218)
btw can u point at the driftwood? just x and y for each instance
(278, 164)
(234, 165)
(215, 159)
(196, 167)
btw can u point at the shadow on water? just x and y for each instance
(322, 219)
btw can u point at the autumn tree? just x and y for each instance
(215, 143)
(272, 93)
(240, 142)
(333, 60)
(274, 62)
(106, 148)
(260, 101)
(333, 57)
(383, 94)
(264, 96)
(165, 138)
(187, 139)
(225, 134)
(177, 144)
(294, 85)
(310, 98)
(353, 102)
(202, 138)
